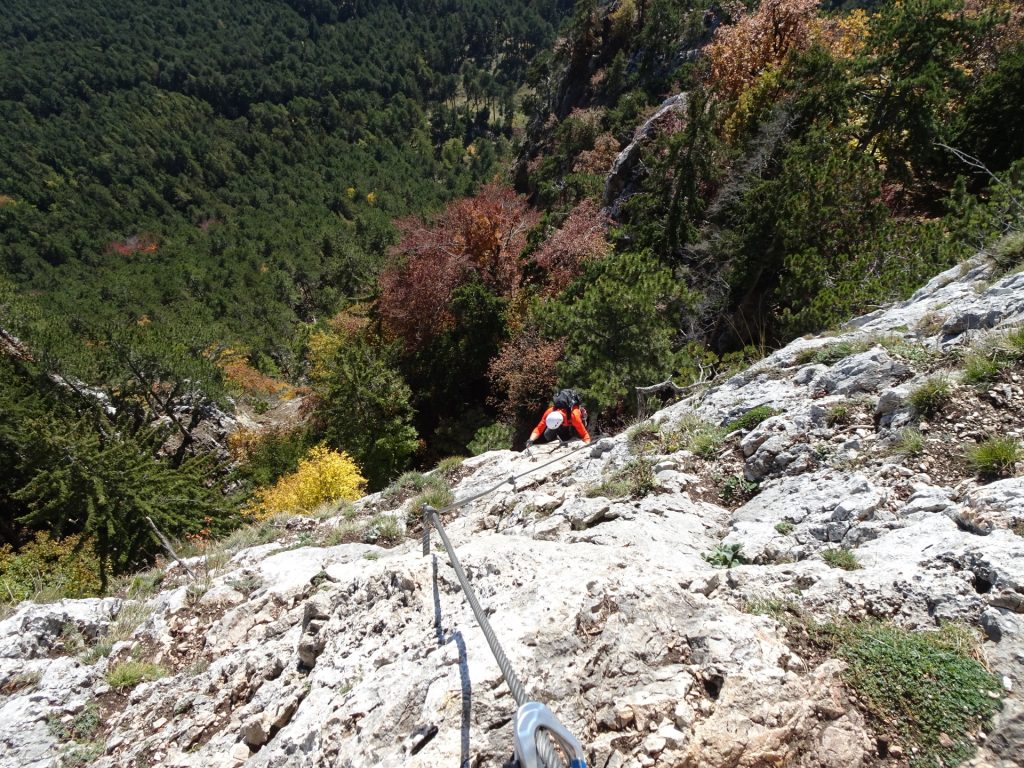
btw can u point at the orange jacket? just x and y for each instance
(574, 419)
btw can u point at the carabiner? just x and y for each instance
(533, 717)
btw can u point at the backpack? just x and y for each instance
(567, 399)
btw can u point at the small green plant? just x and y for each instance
(841, 558)
(82, 726)
(910, 442)
(449, 468)
(347, 532)
(928, 687)
(1018, 527)
(726, 556)
(980, 367)
(635, 480)
(130, 673)
(383, 529)
(930, 397)
(833, 353)
(642, 436)
(736, 488)
(81, 755)
(438, 498)
(371, 556)
(246, 583)
(769, 606)
(840, 413)
(994, 457)
(899, 347)
(751, 418)
(785, 528)
(1008, 251)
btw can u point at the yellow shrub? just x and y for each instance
(323, 476)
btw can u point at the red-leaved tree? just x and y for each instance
(475, 237)
(580, 238)
(524, 373)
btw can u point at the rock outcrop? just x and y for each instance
(300, 653)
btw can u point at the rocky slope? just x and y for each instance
(307, 652)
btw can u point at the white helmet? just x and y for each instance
(554, 420)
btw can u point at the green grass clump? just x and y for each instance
(438, 498)
(634, 480)
(931, 396)
(726, 556)
(751, 418)
(1008, 251)
(642, 436)
(980, 367)
(785, 528)
(910, 442)
(926, 686)
(841, 558)
(769, 606)
(994, 457)
(449, 468)
(408, 484)
(833, 353)
(128, 674)
(840, 413)
(383, 529)
(694, 434)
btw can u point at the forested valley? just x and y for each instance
(419, 219)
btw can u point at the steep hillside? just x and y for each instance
(757, 574)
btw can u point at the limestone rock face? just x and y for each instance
(613, 611)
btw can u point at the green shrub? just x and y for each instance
(408, 485)
(841, 558)
(48, 569)
(751, 418)
(785, 528)
(926, 686)
(994, 457)
(726, 556)
(493, 437)
(128, 674)
(931, 396)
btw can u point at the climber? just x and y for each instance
(563, 419)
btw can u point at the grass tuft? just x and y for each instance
(751, 418)
(910, 442)
(994, 457)
(634, 480)
(841, 558)
(930, 397)
(128, 674)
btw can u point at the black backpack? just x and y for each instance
(567, 399)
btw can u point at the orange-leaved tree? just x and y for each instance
(742, 52)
